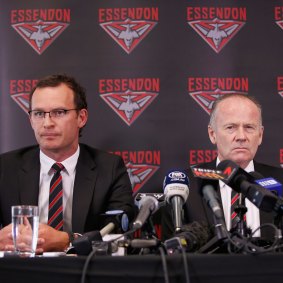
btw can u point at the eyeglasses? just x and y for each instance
(56, 113)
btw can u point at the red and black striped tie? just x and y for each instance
(234, 204)
(55, 213)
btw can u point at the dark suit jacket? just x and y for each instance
(101, 184)
(195, 209)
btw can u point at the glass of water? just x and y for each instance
(25, 229)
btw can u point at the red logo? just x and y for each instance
(280, 86)
(128, 26)
(22, 99)
(139, 174)
(216, 25)
(40, 35)
(129, 105)
(278, 16)
(281, 157)
(216, 33)
(206, 99)
(129, 97)
(40, 27)
(141, 165)
(206, 90)
(20, 90)
(128, 34)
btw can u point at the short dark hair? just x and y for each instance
(226, 96)
(58, 79)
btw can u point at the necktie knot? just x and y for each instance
(57, 167)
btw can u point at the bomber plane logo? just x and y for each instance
(129, 105)
(128, 34)
(217, 33)
(206, 98)
(139, 174)
(40, 35)
(22, 99)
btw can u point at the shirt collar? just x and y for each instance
(69, 163)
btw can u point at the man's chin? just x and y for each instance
(242, 161)
(49, 146)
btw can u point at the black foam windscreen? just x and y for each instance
(83, 244)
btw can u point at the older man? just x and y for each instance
(236, 129)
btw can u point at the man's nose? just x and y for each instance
(241, 134)
(47, 120)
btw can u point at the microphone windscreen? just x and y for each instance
(176, 177)
(196, 235)
(83, 244)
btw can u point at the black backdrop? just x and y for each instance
(164, 61)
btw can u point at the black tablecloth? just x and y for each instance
(148, 268)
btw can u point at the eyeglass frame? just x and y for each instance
(65, 111)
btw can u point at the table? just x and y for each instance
(203, 268)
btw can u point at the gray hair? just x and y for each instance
(226, 96)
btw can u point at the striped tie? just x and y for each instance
(238, 209)
(55, 213)
(234, 204)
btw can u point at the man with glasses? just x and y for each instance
(89, 181)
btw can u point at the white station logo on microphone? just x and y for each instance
(176, 175)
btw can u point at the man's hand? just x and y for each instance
(52, 240)
(49, 239)
(6, 239)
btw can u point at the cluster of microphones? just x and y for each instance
(264, 193)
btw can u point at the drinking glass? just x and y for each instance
(25, 223)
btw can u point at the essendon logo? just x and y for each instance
(20, 90)
(206, 90)
(128, 26)
(280, 86)
(197, 156)
(216, 25)
(40, 27)
(129, 97)
(141, 165)
(278, 16)
(281, 157)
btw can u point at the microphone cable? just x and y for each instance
(244, 244)
(185, 263)
(94, 251)
(164, 265)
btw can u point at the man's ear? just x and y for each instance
(211, 134)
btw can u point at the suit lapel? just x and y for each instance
(29, 178)
(83, 189)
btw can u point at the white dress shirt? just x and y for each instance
(68, 179)
(252, 215)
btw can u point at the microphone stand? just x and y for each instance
(147, 233)
(241, 210)
(218, 241)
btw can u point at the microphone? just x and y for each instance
(139, 243)
(209, 194)
(191, 238)
(83, 245)
(176, 191)
(268, 183)
(242, 182)
(147, 205)
(117, 220)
